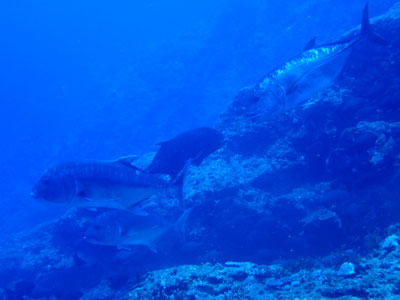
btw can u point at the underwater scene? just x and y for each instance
(185, 150)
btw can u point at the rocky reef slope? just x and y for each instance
(320, 177)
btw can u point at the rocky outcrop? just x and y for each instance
(337, 276)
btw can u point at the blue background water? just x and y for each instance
(101, 79)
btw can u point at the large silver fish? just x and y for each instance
(111, 184)
(122, 229)
(297, 80)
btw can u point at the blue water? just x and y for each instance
(99, 80)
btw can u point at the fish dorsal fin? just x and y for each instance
(365, 24)
(311, 43)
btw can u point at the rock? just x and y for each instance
(391, 243)
(347, 269)
(323, 228)
(276, 281)
(375, 144)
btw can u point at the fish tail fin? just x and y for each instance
(180, 181)
(366, 29)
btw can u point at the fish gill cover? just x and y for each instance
(298, 203)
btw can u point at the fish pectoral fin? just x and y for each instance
(342, 74)
(136, 207)
(295, 84)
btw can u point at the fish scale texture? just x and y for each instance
(298, 195)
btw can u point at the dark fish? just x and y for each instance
(192, 145)
(316, 68)
(112, 184)
(122, 229)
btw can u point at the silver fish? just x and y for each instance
(297, 80)
(111, 184)
(123, 229)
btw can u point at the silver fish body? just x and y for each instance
(301, 77)
(298, 79)
(123, 229)
(113, 184)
